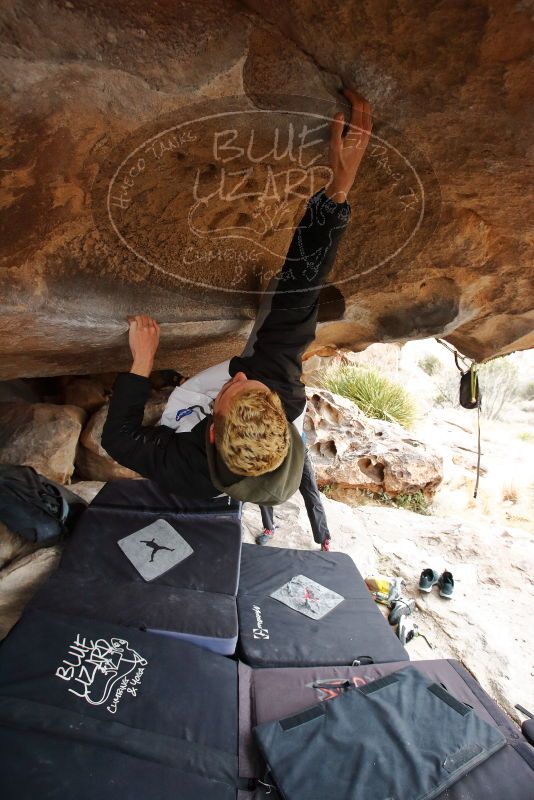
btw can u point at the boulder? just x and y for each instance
(92, 461)
(41, 435)
(352, 451)
(439, 240)
(18, 390)
(85, 392)
(13, 546)
(24, 567)
(87, 490)
(106, 379)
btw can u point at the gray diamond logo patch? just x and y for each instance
(308, 597)
(155, 549)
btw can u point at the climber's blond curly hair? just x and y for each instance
(253, 437)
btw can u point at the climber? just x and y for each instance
(308, 484)
(235, 428)
(314, 507)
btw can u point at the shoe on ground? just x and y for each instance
(401, 607)
(446, 585)
(325, 546)
(265, 537)
(428, 579)
(406, 630)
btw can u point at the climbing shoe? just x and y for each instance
(401, 607)
(265, 537)
(406, 630)
(428, 578)
(325, 546)
(446, 585)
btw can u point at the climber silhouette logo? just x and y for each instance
(144, 549)
(155, 547)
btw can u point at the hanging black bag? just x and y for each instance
(470, 395)
(36, 508)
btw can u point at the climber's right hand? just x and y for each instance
(143, 338)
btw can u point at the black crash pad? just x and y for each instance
(211, 527)
(86, 707)
(270, 694)
(273, 635)
(204, 618)
(194, 600)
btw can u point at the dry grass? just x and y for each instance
(510, 493)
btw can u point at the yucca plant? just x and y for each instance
(375, 394)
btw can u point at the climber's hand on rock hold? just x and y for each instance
(347, 152)
(144, 339)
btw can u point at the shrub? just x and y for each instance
(374, 394)
(414, 501)
(430, 364)
(527, 391)
(526, 436)
(448, 389)
(499, 385)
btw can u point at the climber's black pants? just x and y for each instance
(312, 500)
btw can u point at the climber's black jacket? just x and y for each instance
(186, 462)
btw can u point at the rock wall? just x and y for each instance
(41, 435)
(439, 241)
(353, 452)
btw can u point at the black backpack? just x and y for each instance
(470, 394)
(36, 508)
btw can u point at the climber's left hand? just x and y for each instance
(144, 340)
